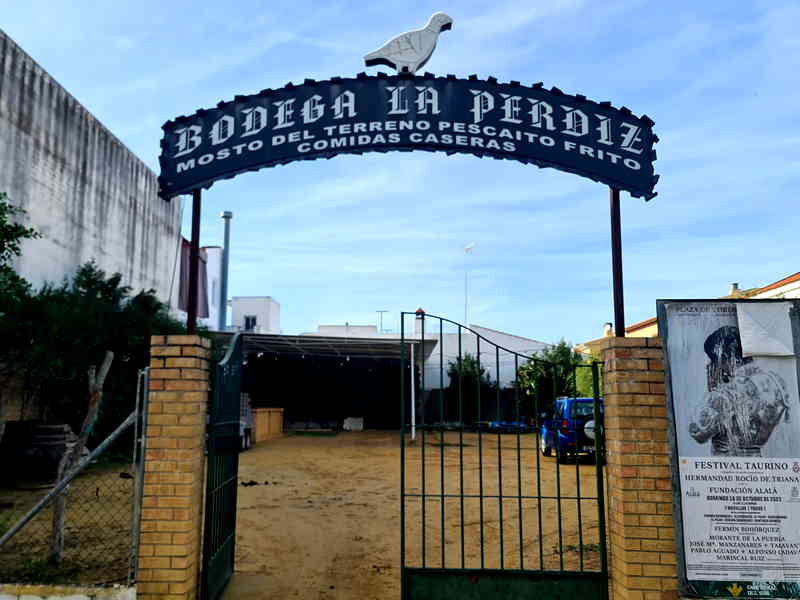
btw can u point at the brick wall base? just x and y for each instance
(641, 546)
(174, 473)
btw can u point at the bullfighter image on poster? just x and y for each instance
(735, 412)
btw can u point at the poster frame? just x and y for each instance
(685, 586)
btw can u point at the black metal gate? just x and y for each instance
(501, 478)
(219, 533)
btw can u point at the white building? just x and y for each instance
(788, 287)
(500, 354)
(214, 286)
(498, 362)
(255, 314)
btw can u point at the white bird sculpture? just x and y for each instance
(411, 50)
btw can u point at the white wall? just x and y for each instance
(788, 290)
(446, 351)
(213, 272)
(265, 308)
(448, 348)
(347, 330)
(83, 190)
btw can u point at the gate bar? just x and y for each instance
(578, 474)
(539, 475)
(413, 385)
(441, 434)
(421, 314)
(403, 442)
(480, 441)
(139, 447)
(558, 477)
(499, 452)
(599, 455)
(461, 440)
(519, 462)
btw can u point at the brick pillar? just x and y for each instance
(174, 470)
(641, 536)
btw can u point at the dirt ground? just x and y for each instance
(319, 516)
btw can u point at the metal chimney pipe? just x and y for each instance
(223, 290)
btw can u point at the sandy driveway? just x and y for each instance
(323, 518)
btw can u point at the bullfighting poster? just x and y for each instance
(732, 387)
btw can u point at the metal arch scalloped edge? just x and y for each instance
(644, 119)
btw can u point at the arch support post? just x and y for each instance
(616, 263)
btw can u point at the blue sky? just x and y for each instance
(337, 240)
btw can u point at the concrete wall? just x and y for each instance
(213, 272)
(88, 195)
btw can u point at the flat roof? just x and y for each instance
(325, 346)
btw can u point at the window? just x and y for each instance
(582, 409)
(559, 410)
(249, 322)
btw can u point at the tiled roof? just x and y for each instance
(641, 324)
(777, 284)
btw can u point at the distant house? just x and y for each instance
(255, 314)
(788, 287)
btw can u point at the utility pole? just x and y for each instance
(467, 250)
(194, 260)
(223, 290)
(380, 313)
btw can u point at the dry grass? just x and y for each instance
(97, 533)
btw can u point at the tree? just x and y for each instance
(468, 370)
(72, 456)
(584, 380)
(555, 371)
(12, 233)
(62, 333)
(15, 290)
(52, 339)
(467, 375)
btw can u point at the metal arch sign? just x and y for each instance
(406, 112)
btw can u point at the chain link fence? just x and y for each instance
(100, 521)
